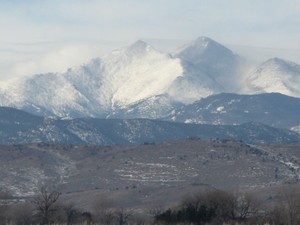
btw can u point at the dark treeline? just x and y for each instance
(207, 208)
(220, 207)
(215, 207)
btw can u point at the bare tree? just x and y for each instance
(286, 209)
(122, 216)
(247, 206)
(44, 203)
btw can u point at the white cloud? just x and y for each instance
(53, 57)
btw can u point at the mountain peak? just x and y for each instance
(139, 46)
(276, 61)
(279, 64)
(140, 43)
(204, 48)
(276, 75)
(203, 41)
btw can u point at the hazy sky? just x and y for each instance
(52, 35)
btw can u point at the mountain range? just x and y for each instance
(142, 81)
(138, 119)
(18, 127)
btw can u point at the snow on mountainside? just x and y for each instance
(272, 109)
(219, 63)
(138, 72)
(276, 75)
(46, 94)
(94, 89)
(151, 108)
(140, 81)
(127, 77)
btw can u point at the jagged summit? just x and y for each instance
(137, 48)
(139, 45)
(204, 42)
(203, 48)
(200, 41)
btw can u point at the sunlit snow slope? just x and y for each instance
(94, 89)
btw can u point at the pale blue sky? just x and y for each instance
(33, 31)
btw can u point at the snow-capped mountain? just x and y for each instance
(275, 75)
(139, 81)
(122, 79)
